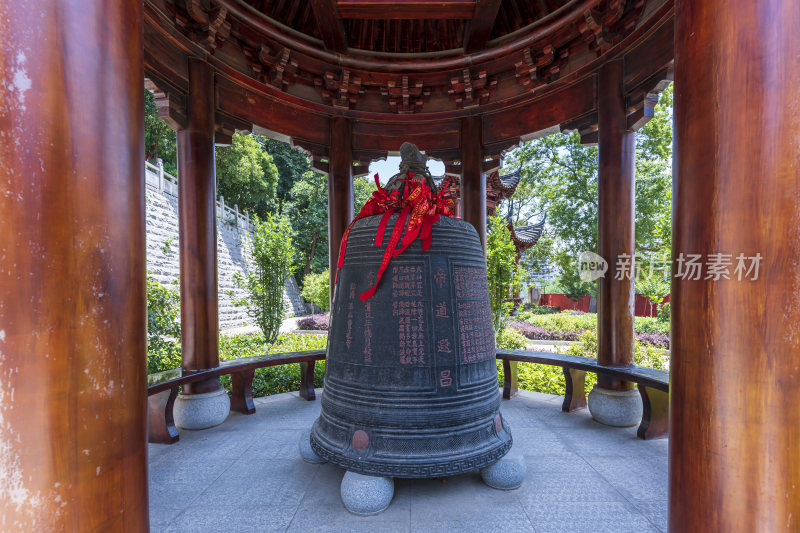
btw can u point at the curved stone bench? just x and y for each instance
(162, 388)
(653, 384)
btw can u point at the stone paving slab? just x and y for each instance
(246, 475)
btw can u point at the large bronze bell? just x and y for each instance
(411, 382)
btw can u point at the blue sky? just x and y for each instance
(391, 166)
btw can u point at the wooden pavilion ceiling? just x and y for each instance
(402, 26)
(409, 70)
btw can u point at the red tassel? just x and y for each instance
(382, 227)
(416, 204)
(427, 230)
(387, 255)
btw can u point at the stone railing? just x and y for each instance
(164, 182)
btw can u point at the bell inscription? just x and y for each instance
(411, 382)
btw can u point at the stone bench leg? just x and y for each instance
(510, 385)
(242, 392)
(160, 423)
(655, 413)
(575, 394)
(307, 381)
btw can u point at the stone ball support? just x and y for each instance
(366, 495)
(615, 408)
(508, 473)
(201, 411)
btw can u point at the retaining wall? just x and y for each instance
(234, 234)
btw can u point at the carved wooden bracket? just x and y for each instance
(603, 29)
(470, 91)
(225, 126)
(171, 104)
(641, 101)
(586, 126)
(256, 59)
(283, 69)
(278, 68)
(342, 92)
(591, 31)
(203, 22)
(405, 97)
(539, 68)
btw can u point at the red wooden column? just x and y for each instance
(73, 453)
(614, 402)
(473, 180)
(340, 188)
(198, 229)
(735, 369)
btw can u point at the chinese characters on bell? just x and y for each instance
(714, 266)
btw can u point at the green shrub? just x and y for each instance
(275, 379)
(664, 313)
(643, 354)
(510, 339)
(530, 376)
(537, 378)
(316, 289)
(538, 310)
(564, 321)
(273, 263)
(550, 379)
(163, 309)
(293, 342)
(163, 355)
(648, 324)
(163, 329)
(569, 321)
(650, 356)
(266, 381)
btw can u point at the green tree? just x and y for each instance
(654, 180)
(307, 209)
(291, 163)
(159, 139)
(501, 269)
(572, 286)
(316, 289)
(363, 187)
(654, 140)
(559, 178)
(272, 263)
(654, 286)
(246, 175)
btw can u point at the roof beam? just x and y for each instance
(414, 9)
(330, 27)
(480, 28)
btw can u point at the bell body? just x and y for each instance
(411, 385)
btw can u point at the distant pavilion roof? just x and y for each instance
(498, 186)
(525, 237)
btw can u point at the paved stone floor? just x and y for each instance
(246, 475)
